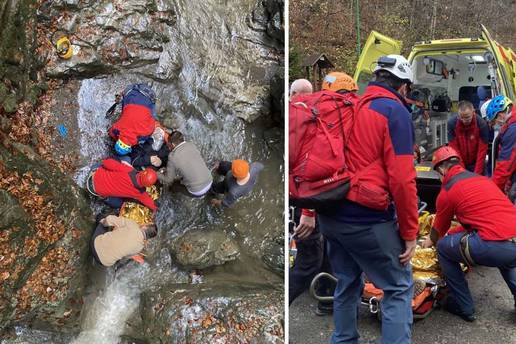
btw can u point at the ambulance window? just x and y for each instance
(433, 66)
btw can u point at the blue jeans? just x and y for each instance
(374, 250)
(499, 254)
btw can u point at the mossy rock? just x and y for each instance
(199, 249)
(10, 104)
(4, 92)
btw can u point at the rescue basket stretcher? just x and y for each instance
(428, 283)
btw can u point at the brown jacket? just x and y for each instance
(125, 240)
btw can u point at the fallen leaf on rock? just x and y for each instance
(189, 301)
(207, 321)
(220, 329)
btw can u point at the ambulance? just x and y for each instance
(445, 72)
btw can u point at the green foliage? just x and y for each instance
(329, 27)
(295, 71)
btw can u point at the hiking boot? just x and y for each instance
(452, 307)
(324, 309)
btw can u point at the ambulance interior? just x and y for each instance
(440, 83)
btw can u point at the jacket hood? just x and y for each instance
(380, 90)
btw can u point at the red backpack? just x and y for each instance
(319, 126)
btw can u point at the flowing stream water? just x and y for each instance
(218, 136)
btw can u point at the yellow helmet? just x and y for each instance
(336, 81)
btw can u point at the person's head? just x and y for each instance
(339, 82)
(443, 159)
(175, 139)
(300, 86)
(147, 177)
(394, 71)
(149, 230)
(122, 148)
(499, 110)
(240, 169)
(466, 112)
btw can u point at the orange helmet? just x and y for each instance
(442, 154)
(239, 168)
(147, 177)
(337, 81)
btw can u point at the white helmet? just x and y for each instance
(483, 109)
(397, 65)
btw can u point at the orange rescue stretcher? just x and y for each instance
(428, 282)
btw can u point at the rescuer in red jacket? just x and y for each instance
(137, 122)
(499, 112)
(488, 235)
(118, 180)
(468, 134)
(374, 231)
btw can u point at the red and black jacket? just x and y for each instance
(506, 162)
(116, 179)
(381, 155)
(478, 205)
(470, 141)
(136, 121)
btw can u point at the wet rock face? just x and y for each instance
(18, 64)
(214, 316)
(226, 53)
(202, 249)
(44, 233)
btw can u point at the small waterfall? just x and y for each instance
(106, 318)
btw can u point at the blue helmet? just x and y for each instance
(121, 148)
(497, 104)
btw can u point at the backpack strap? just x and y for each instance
(344, 136)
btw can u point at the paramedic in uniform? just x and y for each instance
(468, 134)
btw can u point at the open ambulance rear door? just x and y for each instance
(502, 60)
(376, 45)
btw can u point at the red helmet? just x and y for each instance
(442, 154)
(147, 177)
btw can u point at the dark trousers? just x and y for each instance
(222, 170)
(311, 259)
(98, 231)
(114, 202)
(499, 254)
(374, 250)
